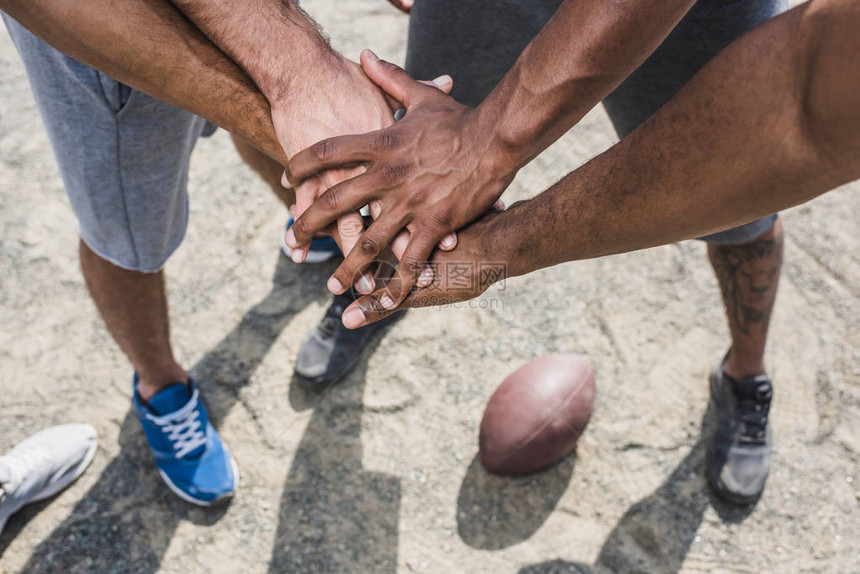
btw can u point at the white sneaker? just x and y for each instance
(44, 464)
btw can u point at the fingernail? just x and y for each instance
(290, 239)
(442, 80)
(353, 317)
(426, 277)
(298, 255)
(387, 302)
(334, 286)
(500, 205)
(365, 284)
(372, 55)
(448, 240)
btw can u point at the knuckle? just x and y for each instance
(414, 196)
(387, 140)
(332, 199)
(368, 246)
(301, 226)
(394, 173)
(411, 265)
(441, 220)
(374, 306)
(394, 69)
(324, 150)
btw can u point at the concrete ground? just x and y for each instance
(379, 473)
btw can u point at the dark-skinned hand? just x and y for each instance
(458, 275)
(429, 174)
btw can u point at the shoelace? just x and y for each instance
(183, 428)
(22, 464)
(753, 408)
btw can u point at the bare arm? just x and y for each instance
(273, 40)
(771, 122)
(151, 46)
(583, 53)
(315, 93)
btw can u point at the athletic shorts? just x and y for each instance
(476, 42)
(123, 155)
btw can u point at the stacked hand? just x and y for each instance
(352, 104)
(457, 276)
(426, 176)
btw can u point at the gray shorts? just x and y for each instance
(123, 155)
(476, 42)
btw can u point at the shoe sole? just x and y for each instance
(58, 486)
(727, 495)
(205, 503)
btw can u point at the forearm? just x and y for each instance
(586, 50)
(770, 123)
(273, 40)
(314, 92)
(151, 46)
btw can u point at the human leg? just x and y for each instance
(747, 259)
(123, 157)
(133, 306)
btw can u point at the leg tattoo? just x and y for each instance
(748, 275)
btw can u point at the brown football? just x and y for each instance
(536, 415)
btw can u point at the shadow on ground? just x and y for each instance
(496, 512)
(106, 530)
(655, 534)
(334, 515)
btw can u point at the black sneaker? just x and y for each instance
(739, 452)
(331, 349)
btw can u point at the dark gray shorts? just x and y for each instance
(476, 42)
(123, 155)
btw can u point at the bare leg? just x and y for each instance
(267, 168)
(133, 305)
(748, 275)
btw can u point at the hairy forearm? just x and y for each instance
(273, 40)
(585, 51)
(151, 46)
(770, 123)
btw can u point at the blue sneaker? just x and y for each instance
(188, 452)
(322, 248)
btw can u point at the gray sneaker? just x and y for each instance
(331, 349)
(44, 464)
(740, 450)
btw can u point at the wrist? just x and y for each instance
(512, 121)
(504, 155)
(494, 246)
(494, 167)
(275, 42)
(312, 61)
